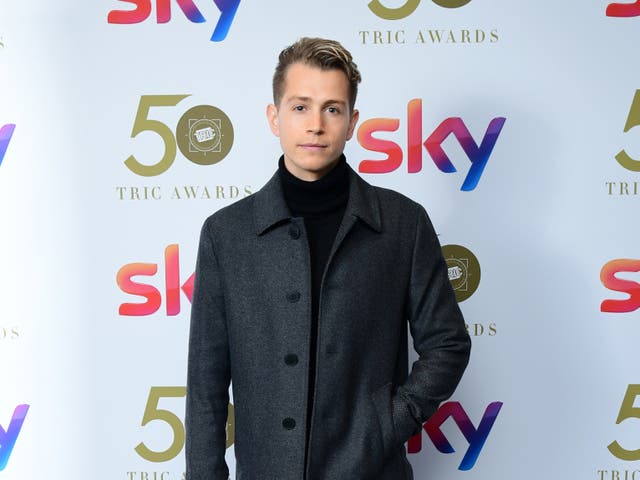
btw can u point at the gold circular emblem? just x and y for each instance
(204, 134)
(463, 269)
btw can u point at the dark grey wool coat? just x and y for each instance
(250, 325)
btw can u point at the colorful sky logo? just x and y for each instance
(153, 296)
(478, 155)
(609, 278)
(6, 132)
(624, 9)
(8, 437)
(475, 436)
(142, 11)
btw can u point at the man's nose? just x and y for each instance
(315, 122)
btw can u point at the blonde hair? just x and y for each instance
(321, 53)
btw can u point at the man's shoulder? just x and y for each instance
(390, 199)
(394, 197)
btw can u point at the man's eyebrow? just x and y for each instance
(300, 98)
(333, 102)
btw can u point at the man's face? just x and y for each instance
(313, 119)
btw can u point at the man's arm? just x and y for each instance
(208, 371)
(439, 337)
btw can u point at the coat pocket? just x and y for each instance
(383, 408)
(393, 463)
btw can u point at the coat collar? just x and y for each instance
(270, 207)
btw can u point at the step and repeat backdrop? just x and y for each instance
(125, 123)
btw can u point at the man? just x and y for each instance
(302, 299)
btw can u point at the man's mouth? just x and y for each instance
(313, 146)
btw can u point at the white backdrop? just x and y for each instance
(552, 207)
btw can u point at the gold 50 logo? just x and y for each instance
(463, 269)
(153, 412)
(633, 120)
(627, 410)
(398, 13)
(629, 187)
(204, 135)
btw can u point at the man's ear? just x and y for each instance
(272, 118)
(352, 123)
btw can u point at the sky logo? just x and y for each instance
(6, 132)
(624, 9)
(8, 437)
(475, 436)
(609, 278)
(478, 155)
(153, 297)
(228, 9)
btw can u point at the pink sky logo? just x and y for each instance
(628, 287)
(475, 436)
(477, 155)
(142, 11)
(624, 9)
(6, 132)
(153, 296)
(8, 437)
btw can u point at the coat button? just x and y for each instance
(294, 231)
(293, 297)
(289, 423)
(291, 359)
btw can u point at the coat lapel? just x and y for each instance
(269, 206)
(362, 205)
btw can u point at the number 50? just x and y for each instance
(152, 412)
(627, 410)
(143, 123)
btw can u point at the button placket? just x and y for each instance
(291, 359)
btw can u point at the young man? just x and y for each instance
(302, 299)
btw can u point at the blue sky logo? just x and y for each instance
(143, 10)
(6, 132)
(8, 438)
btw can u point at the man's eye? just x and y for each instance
(299, 108)
(333, 110)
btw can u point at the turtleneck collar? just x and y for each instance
(318, 197)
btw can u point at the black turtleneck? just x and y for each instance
(322, 204)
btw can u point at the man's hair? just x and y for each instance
(321, 53)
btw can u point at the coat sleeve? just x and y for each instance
(439, 337)
(208, 374)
